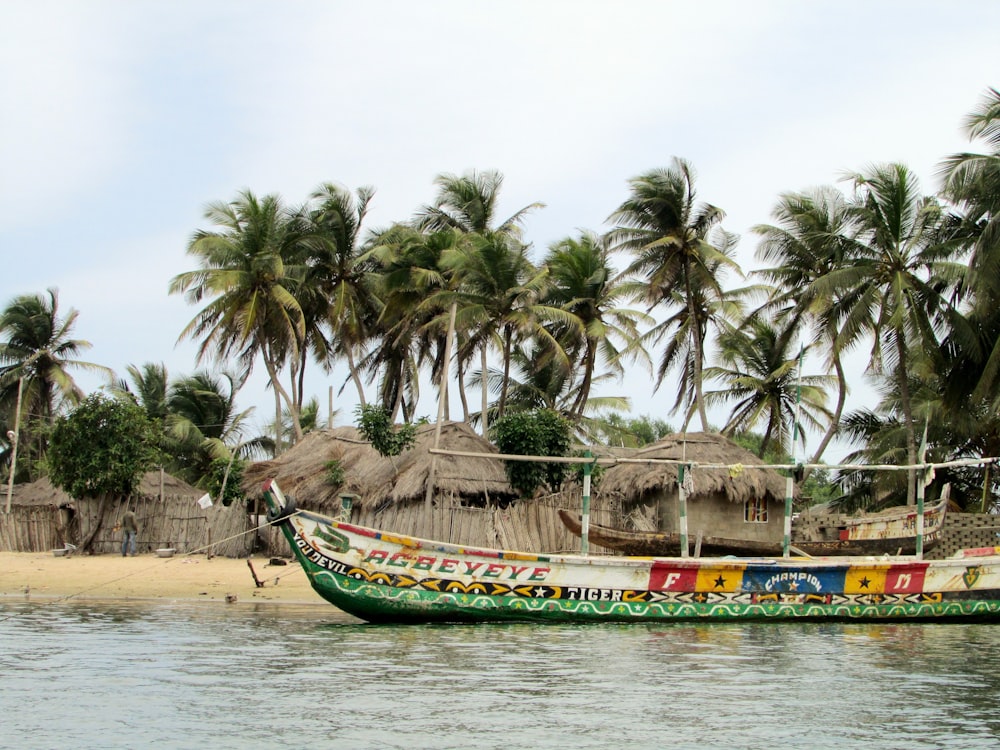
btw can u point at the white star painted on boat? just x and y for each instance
(540, 592)
(793, 586)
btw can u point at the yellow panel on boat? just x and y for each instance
(722, 579)
(865, 579)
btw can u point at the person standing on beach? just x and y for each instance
(130, 528)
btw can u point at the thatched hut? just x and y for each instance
(378, 482)
(730, 501)
(45, 517)
(472, 501)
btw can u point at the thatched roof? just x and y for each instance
(633, 480)
(43, 492)
(375, 480)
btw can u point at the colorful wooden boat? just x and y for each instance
(891, 532)
(383, 577)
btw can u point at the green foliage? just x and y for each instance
(596, 471)
(102, 447)
(818, 489)
(752, 442)
(334, 472)
(230, 472)
(375, 425)
(635, 432)
(541, 432)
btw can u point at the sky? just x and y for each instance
(120, 120)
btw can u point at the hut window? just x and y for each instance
(755, 510)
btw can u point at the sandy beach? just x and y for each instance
(195, 577)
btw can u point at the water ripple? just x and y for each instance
(181, 676)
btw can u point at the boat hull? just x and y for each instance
(383, 577)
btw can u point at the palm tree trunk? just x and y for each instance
(907, 406)
(277, 424)
(462, 396)
(354, 376)
(580, 403)
(485, 392)
(835, 422)
(294, 408)
(280, 394)
(508, 339)
(699, 351)
(766, 440)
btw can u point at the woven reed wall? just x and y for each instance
(176, 522)
(30, 528)
(526, 525)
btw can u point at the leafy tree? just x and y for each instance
(101, 449)
(225, 479)
(499, 303)
(542, 432)
(630, 432)
(468, 203)
(375, 425)
(972, 183)
(205, 426)
(412, 322)
(540, 382)
(149, 388)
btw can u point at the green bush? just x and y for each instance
(540, 432)
(334, 472)
(376, 427)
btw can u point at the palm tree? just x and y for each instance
(810, 239)
(203, 419)
(760, 371)
(409, 282)
(335, 292)
(679, 254)
(149, 388)
(898, 271)
(499, 303)
(540, 382)
(468, 205)
(36, 357)
(972, 183)
(583, 284)
(245, 278)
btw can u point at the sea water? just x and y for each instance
(210, 675)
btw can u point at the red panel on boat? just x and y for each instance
(671, 577)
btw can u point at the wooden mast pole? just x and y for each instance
(585, 516)
(786, 541)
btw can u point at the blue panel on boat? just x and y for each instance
(799, 579)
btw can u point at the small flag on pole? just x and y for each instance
(205, 501)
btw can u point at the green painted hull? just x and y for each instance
(381, 577)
